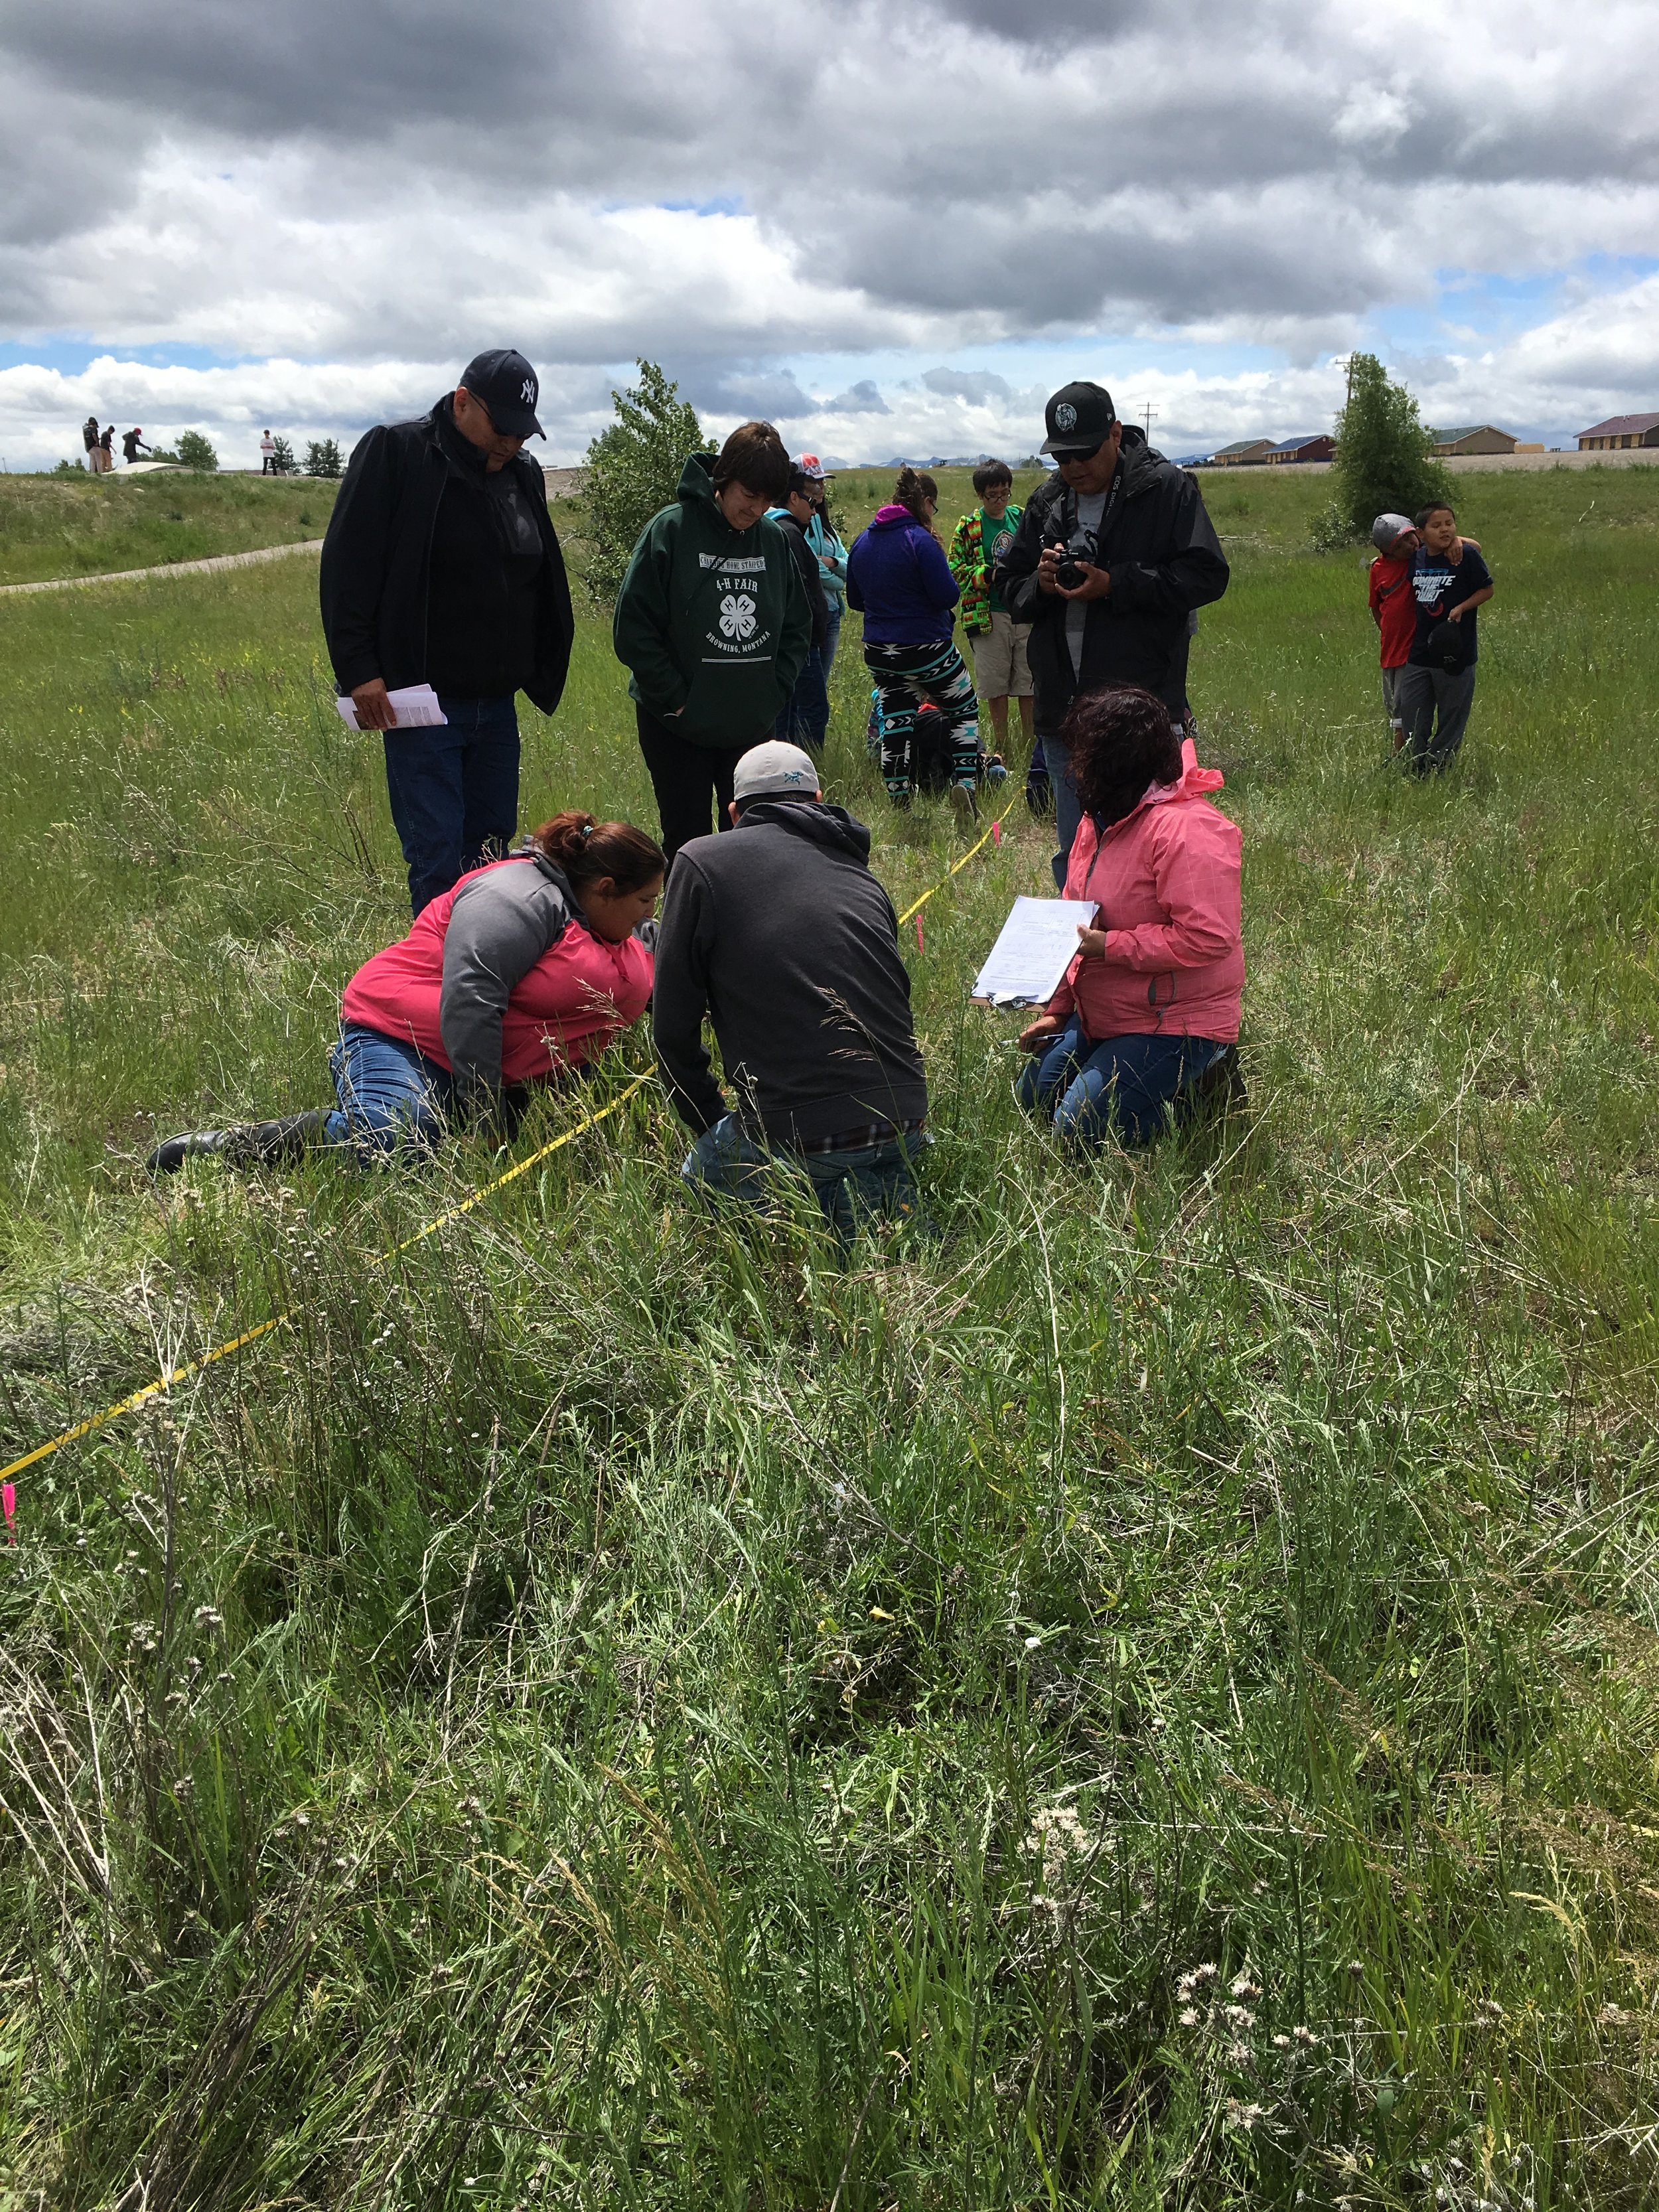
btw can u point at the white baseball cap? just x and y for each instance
(776, 769)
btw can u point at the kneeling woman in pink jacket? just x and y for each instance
(529, 967)
(1146, 1023)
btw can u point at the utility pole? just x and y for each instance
(1149, 416)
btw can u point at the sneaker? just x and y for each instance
(996, 769)
(1039, 794)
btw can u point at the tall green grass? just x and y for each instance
(1147, 1701)
(79, 526)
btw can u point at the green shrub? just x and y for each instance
(282, 454)
(322, 459)
(1385, 458)
(71, 469)
(632, 470)
(195, 451)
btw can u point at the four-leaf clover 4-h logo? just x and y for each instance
(737, 614)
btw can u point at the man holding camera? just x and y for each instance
(1112, 558)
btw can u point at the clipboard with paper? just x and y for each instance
(1035, 946)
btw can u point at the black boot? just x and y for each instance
(254, 1144)
(1220, 1088)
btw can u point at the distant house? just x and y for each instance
(1242, 454)
(1475, 438)
(1302, 449)
(1620, 430)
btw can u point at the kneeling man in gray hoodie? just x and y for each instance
(785, 940)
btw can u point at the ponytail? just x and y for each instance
(913, 486)
(587, 850)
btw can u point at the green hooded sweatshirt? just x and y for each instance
(712, 620)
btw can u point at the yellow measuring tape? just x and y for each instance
(234, 1343)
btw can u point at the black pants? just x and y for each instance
(686, 779)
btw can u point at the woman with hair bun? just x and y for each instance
(1145, 1026)
(528, 968)
(898, 578)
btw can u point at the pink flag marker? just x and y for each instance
(9, 1506)
(996, 832)
(919, 944)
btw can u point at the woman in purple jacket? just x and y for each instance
(898, 578)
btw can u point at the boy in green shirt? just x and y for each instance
(1001, 671)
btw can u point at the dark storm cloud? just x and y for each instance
(863, 398)
(977, 385)
(345, 180)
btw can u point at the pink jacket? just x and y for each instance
(567, 1008)
(1166, 878)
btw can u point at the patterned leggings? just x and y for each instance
(905, 674)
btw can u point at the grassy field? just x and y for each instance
(1149, 1702)
(84, 525)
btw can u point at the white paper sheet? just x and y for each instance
(415, 707)
(1036, 946)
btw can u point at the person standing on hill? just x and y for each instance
(90, 440)
(713, 625)
(268, 455)
(1450, 582)
(1111, 558)
(1394, 610)
(898, 578)
(1001, 670)
(831, 556)
(441, 566)
(107, 449)
(132, 444)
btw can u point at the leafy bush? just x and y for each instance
(633, 469)
(322, 459)
(71, 469)
(195, 452)
(1330, 529)
(1385, 458)
(281, 454)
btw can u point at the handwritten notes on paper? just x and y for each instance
(1038, 945)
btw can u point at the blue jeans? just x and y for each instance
(454, 792)
(1124, 1087)
(831, 644)
(805, 718)
(1068, 811)
(726, 1162)
(389, 1094)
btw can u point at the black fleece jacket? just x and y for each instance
(377, 557)
(807, 561)
(1165, 559)
(781, 936)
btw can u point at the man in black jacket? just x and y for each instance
(1112, 558)
(784, 939)
(441, 566)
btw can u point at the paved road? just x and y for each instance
(170, 569)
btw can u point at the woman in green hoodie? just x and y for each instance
(714, 623)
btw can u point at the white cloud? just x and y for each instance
(373, 187)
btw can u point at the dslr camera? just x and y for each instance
(1081, 547)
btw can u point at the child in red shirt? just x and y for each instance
(1394, 610)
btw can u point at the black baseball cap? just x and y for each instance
(508, 387)
(1079, 418)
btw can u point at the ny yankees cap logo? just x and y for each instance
(508, 386)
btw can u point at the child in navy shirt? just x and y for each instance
(1450, 582)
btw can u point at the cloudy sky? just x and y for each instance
(892, 228)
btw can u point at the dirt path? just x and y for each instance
(170, 569)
